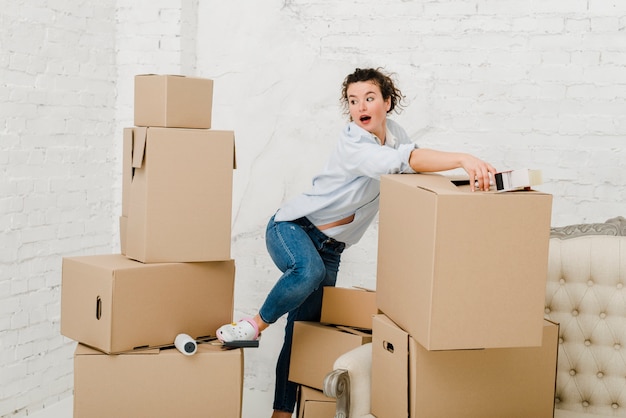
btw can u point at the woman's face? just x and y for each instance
(367, 107)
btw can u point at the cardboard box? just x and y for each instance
(490, 383)
(115, 304)
(313, 403)
(173, 101)
(315, 348)
(158, 383)
(352, 307)
(180, 197)
(459, 269)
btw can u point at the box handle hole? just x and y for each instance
(98, 307)
(388, 346)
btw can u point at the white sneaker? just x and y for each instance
(244, 330)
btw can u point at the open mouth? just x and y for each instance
(365, 118)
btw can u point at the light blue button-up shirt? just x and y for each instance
(350, 181)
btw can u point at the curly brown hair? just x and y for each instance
(378, 77)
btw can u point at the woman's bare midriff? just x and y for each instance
(343, 221)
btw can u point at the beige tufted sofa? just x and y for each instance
(586, 295)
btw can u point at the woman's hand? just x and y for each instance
(481, 173)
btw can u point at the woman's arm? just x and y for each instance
(424, 160)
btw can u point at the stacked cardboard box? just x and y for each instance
(460, 286)
(345, 323)
(174, 274)
(313, 403)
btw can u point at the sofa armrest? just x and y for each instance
(350, 382)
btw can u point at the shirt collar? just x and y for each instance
(390, 139)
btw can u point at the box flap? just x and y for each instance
(435, 183)
(159, 75)
(440, 184)
(85, 350)
(234, 155)
(234, 146)
(365, 289)
(140, 135)
(353, 331)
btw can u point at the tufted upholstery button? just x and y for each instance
(585, 403)
(614, 405)
(572, 372)
(600, 375)
(561, 340)
(575, 312)
(547, 310)
(561, 281)
(617, 346)
(620, 285)
(587, 343)
(602, 315)
(590, 283)
(557, 400)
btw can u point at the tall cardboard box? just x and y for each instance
(158, 383)
(179, 194)
(312, 403)
(460, 269)
(315, 348)
(116, 304)
(489, 383)
(173, 101)
(351, 307)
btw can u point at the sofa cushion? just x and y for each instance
(585, 294)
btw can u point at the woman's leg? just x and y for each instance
(297, 255)
(285, 392)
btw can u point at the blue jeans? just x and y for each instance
(309, 261)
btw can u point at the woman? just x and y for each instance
(307, 235)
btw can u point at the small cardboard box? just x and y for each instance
(158, 383)
(312, 403)
(315, 347)
(489, 383)
(460, 269)
(116, 304)
(173, 101)
(179, 194)
(352, 307)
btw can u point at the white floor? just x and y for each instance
(251, 402)
(252, 399)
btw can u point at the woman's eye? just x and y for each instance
(370, 99)
(352, 102)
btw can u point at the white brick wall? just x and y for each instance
(65, 95)
(57, 97)
(521, 83)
